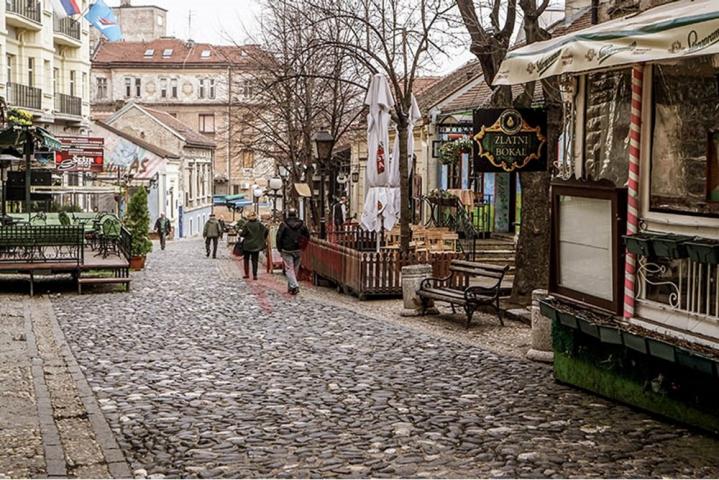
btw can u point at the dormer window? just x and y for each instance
(167, 53)
(205, 54)
(149, 52)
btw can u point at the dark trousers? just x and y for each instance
(163, 240)
(255, 257)
(214, 241)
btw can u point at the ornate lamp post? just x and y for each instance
(276, 184)
(324, 143)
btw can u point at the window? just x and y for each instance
(683, 172)
(56, 81)
(167, 53)
(101, 87)
(212, 88)
(173, 87)
(201, 93)
(205, 54)
(128, 87)
(160, 20)
(248, 159)
(138, 87)
(247, 89)
(30, 72)
(73, 74)
(163, 88)
(10, 67)
(207, 123)
(85, 85)
(149, 53)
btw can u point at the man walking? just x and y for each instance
(162, 227)
(212, 234)
(339, 214)
(292, 238)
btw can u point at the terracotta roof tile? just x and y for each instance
(182, 53)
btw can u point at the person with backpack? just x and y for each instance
(292, 238)
(254, 240)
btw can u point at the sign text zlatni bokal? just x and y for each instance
(509, 140)
(80, 154)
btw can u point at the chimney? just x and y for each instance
(125, 3)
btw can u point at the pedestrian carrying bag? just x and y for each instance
(238, 250)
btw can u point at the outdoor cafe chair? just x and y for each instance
(109, 236)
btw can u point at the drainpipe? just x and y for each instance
(633, 210)
(595, 12)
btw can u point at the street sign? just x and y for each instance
(80, 154)
(510, 139)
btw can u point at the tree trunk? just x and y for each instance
(535, 233)
(405, 211)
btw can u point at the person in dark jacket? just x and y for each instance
(163, 227)
(340, 213)
(292, 238)
(254, 235)
(212, 233)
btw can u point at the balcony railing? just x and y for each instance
(28, 9)
(67, 26)
(23, 96)
(68, 104)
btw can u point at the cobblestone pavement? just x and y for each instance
(50, 424)
(202, 374)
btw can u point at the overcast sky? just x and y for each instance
(227, 21)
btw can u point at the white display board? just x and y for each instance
(585, 246)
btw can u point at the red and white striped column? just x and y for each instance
(635, 149)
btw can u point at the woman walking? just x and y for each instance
(254, 240)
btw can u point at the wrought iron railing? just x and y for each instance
(20, 95)
(25, 8)
(67, 26)
(125, 243)
(68, 104)
(42, 244)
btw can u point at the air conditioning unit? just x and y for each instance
(245, 186)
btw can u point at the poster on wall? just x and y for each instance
(80, 154)
(510, 139)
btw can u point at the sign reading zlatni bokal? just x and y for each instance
(80, 154)
(510, 140)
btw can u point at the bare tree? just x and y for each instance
(490, 42)
(399, 38)
(295, 91)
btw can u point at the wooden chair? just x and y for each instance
(449, 242)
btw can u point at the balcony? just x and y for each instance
(24, 14)
(68, 105)
(19, 95)
(67, 31)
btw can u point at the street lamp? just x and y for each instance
(257, 193)
(284, 173)
(323, 143)
(275, 185)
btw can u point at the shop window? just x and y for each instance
(587, 259)
(608, 109)
(684, 173)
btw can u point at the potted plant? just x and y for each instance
(137, 222)
(451, 152)
(703, 251)
(20, 117)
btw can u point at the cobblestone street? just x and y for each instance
(202, 374)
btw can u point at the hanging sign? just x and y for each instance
(510, 139)
(80, 154)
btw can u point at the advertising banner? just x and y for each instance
(80, 154)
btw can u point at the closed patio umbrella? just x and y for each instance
(393, 211)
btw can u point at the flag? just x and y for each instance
(65, 8)
(101, 17)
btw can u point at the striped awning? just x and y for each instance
(669, 32)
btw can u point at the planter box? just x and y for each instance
(703, 251)
(639, 244)
(661, 350)
(567, 319)
(695, 362)
(585, 326)
(610, 335)
(635, 342)
(670, 246)
(548, 310)
(137, 263)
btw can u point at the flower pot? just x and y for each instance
(661, 350)
(670, 246)
(695, 362)
(639, 244)
(610, 335)
(634, 342)
(587, 327)
(548, 310)
(703, 251)
(567, 319)
(137, 263)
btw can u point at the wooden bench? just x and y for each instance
(456, 289)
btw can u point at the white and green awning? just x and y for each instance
(673, 31)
